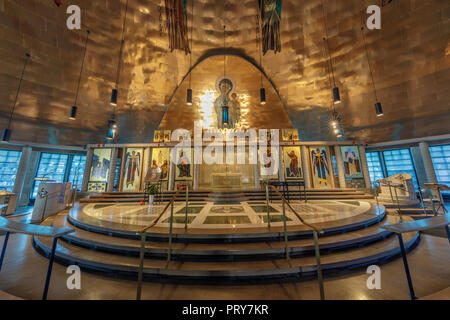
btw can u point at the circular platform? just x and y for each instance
(207, 221)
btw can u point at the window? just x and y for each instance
(76, 171)
(9, 164)
(440, 155)
(400, 161)
(375, 168)
(52, 166)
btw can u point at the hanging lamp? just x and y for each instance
(74, 109)
(6, 133)
(378, 106)
(189, 90)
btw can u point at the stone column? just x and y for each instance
(122, 168)
(340, 167)
(87, 169)
(365, 168)
(305, 166)
(24, 163)
(112, 169)
(256, 171)
(172, 173)
(280, 163)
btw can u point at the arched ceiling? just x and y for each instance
(410, 57)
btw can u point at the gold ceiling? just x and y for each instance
(410, 58)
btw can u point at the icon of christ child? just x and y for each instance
(184, 166)
(132, 165)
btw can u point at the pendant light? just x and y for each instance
(112, 125)
(378, 106)
(73, 110)
(114, 92)
(336, 93)
(335, 123)
(6, 133)
(189, 90)
(225, 109)
(262, 91)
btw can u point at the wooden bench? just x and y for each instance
(418, 225)
(35, 230)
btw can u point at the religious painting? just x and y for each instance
(228, 110)
(101, 161)
(160, 160)
(133, 169)
(176, 17)
(292, 163)
(290, 135)
(184, 165)
(158, 136)
(268, 163)
(270, 12)
(96, 187)
(352, 162)
(321, 168)
(167, 136)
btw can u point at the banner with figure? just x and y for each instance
(321, 167)
(270, 11)
(133, 169)
(183, 164)
(352, 162)
(101, 160)
(161, 160)
(292, 163)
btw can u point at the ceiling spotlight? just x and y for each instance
(379, 109)
(336, 95)
(73, 113)
(262, 96)
(189, 97)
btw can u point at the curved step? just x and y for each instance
(228, 272)
(224, 252)
(92, 225)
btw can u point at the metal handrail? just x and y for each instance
(143, 236)
(315, 230)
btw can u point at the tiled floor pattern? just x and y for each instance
(217, 215)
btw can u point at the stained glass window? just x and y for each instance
(400, 161)
(440, 155)
(52, 166)
(117, 175)
(76, 171)
(375, 168)
(9, 164)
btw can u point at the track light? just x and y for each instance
(114, 97)
(336, 95)
(6, 134)
(262, 96)
(73, 113)
(189, 97)
(379, 109)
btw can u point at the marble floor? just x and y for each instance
(215, 215)
(23, 275)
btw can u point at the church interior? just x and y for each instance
(224, 150)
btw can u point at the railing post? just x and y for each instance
(141, 266)
(286, 244)
(267, 206)
(319, 266)
(398, 202)
(187, 208)
(169, 251)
